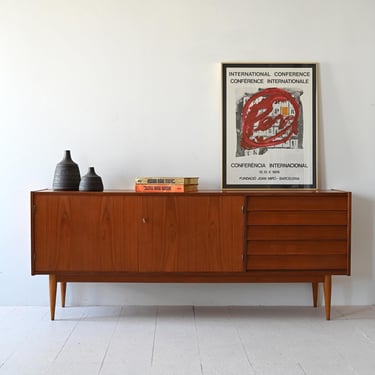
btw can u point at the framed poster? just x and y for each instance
(269, 125)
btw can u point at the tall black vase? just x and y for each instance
(67, 175)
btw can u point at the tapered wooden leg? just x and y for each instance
(327, 295)
(315, 293)
(52, 295)
(63, 292)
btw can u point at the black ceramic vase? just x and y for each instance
(67, 175)
(91, 181)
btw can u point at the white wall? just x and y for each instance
(133, 88)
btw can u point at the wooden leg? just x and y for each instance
(63, 293)
(327, 295)
(52, 295)
(315, 293)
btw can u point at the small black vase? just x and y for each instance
(91, 181)
(67, 175)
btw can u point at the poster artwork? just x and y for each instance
(269, 118)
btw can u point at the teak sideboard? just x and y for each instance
(206, 236)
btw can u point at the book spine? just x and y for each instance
(164, 188)
(167, 180)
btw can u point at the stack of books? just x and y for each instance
(166, 184)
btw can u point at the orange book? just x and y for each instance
(165, 188)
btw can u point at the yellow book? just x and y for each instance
(167, 180)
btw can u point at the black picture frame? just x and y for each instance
(269, 125)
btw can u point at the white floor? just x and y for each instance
(187, 340)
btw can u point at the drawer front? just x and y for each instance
(297, 247)
(297, 218)
(298, 232)
(300, 262)
(298, 202)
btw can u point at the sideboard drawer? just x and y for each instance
(335, 262)
(302, 217)
(298, 202)
(296, 232)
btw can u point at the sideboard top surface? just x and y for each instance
(266, 192)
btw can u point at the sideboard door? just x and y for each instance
(84, 233)
(188, 233)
